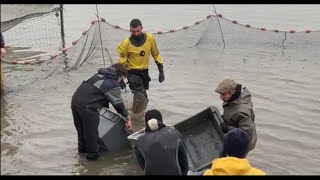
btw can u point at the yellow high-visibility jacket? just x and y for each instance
(138, 57)
(232, 166)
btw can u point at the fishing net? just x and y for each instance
(97, 47)
(244, 36)
(31, 32)
(135, 102)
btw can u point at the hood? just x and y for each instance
(230, 166)
(109, 72)
(244, 98)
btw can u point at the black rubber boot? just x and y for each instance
(81, 150)
(92, 157)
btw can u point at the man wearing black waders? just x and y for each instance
(89, 98)
(134, 52)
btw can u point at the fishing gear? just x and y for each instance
(224, 44)
(104, 62)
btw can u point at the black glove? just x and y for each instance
(161, 74)
(122, 84)
(224, 127)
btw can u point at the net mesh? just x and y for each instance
(13, 14)
(135, 102)
(247, 37)
(31, 32)
(97, 46)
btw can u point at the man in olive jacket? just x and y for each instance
(237, 109)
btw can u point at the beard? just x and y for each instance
(137, 37)
(138, 40)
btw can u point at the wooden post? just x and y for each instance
(62, 26)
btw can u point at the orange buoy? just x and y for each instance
(276, 30)
(53, 55)
(41, 60)
(27, 62)
(308, 31)
(197, 22)
(159, 32)
(234, 22)
(172, 30)
(93, 21)
(84, 32)
(185, 27)
(220, 15)
(263, 29)
(116, 26)
(74, 42)
(103, 19)
(209, 16)
(248, 25)
(64, 50)
(14, 62)
(292, 31)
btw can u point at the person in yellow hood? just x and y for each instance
(236, 146)
(135, 52)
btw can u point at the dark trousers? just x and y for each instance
(139, 81)
(86, 123)
(136, 84)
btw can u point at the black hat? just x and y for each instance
(153, 120)
(236, 143)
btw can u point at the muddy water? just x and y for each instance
(38, 135)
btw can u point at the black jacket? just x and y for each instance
(162, 152)
(99, 90)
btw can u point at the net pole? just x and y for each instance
(224, 44)
(62, 26)
(104, 62)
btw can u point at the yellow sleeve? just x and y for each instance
(122, 52)
(207, 173)
(154, 51)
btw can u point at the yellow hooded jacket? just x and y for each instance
(232, 166)
(130, 55)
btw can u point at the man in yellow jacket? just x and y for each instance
(236, 146)
(135, 52)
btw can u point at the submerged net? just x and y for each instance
(32, 32)
(97, 46)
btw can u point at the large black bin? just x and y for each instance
(203, 138)
(112, 130)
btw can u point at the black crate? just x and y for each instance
(112, 130)
(203, 138)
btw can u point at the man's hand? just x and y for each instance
(224, 127)
(161, 76)
(122, 84)
(3, 53)
(128, 123)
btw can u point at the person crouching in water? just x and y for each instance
(89, 98)
(236, 146)
(161, 151)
